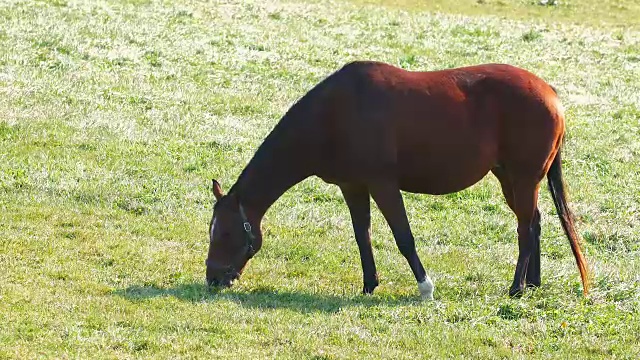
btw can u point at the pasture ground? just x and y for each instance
(115, 115)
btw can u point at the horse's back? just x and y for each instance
(437, 132)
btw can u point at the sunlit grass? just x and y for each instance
(621, 14)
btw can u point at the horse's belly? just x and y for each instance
(441, 183)
(445, 170)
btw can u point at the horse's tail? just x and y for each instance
(559, 194)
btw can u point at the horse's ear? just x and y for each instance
(217, 190)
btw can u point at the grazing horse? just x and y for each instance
(374, 130)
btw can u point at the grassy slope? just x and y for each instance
(114, 115)
(611, 13)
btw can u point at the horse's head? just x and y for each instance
(231, 240)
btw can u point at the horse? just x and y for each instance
(375, 130)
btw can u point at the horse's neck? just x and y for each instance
(278, 165)
(285, 158)
(264, 187)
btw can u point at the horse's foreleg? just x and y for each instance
(525, 201)
(389, 200)
(357, 199)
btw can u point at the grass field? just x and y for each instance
(115, 115)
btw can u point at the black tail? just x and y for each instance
(556, 186)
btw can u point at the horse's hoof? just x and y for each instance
(367, 289)
(426, 289)
(370, 285)
(426, 297)
(516, 292)
(533, 285)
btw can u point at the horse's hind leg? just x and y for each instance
(526, 203)
(357, 199)
(389, 199)
(533, 269)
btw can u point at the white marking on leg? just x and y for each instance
(426, 288)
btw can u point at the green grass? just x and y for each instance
(115, 115)
(622, 14)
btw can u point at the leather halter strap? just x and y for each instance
(249, 237)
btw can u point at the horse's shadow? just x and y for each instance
(264, 297)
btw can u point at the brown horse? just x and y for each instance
(374, 130)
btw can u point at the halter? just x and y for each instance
(248, 234)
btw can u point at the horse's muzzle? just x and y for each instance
(229, 275)
(224, 283)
